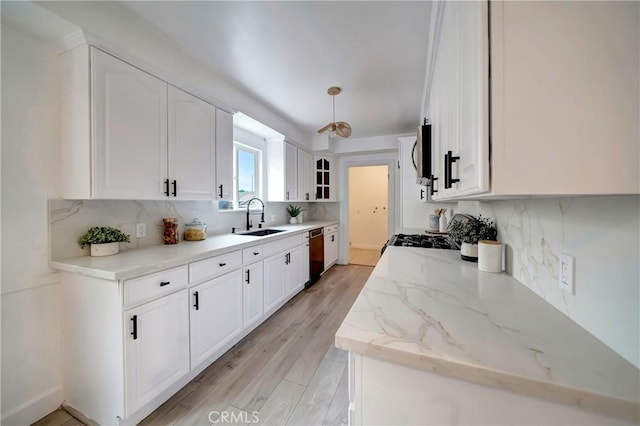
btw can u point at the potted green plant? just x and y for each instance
(294, 211)
(104, 240)
(469, 232)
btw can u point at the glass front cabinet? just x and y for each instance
(324, 183)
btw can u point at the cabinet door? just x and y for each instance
(192, 126)
(274, 281)
(297, 266)
(324, 179)
(290, 172)
(252, 293)
(216, 315)
(305, 174)
(330, 250)
(473, 78)
(156, 348)
(129, 130)
(224, 155)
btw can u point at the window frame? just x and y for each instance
(258, 164)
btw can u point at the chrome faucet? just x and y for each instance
(249, 225)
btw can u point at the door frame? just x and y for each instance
(387, 159)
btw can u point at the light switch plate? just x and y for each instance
(566, 278)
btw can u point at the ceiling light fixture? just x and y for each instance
(340, 128)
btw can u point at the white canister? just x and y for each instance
(490, 256)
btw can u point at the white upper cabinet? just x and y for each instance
(305, 175)
(459, 101)
(564, 99)
(324, 178)
(224, 155)
(129, 130)
(288, 172)
(129, 135)
(192, 135)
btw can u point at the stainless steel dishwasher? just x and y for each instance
(316, 254)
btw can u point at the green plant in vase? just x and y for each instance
(294, 211)
(104, 240)
(469, 232)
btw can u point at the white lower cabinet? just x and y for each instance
(252, 294)
(274, 280)
(330, 246)
(156, 348)
(216, 315)
(285, 274)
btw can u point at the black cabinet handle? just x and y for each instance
(433, 189)
(196, 301)
(449, 159)
(422, 194)
(166, 187)
(175, 188)
(307, 196)
(134, 333)
(222, 264)
(163, 283)
(333, 238)
(220, 187)
(255, 253)
(287, 258)
(248, 276)
(287, 195)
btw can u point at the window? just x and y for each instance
(246, 174)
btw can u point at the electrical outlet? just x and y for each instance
(141, 230)
(565, 273)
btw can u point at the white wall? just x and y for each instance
(31, 306)
(603, 234)
(368, 207)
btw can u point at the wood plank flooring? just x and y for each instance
(365, 257)
(286, 371)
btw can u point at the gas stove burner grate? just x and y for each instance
(426, 241)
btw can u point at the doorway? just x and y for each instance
(368, 213)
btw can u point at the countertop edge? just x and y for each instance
(597, 403)
(67, 265)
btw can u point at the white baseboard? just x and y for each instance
(33, 410)
(367, 247)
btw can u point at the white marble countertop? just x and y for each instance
(137, 262)
(428, 309)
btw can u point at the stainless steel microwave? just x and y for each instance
(421, 154)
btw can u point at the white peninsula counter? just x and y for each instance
(432, 340)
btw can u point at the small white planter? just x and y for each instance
(293, 220)
(469, 252)
(106, 249)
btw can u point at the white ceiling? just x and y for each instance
(287, 54)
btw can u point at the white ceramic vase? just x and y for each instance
(469, 252)
(293, 220)
(106, 249)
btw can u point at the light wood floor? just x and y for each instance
(364, 256)
(286, 371)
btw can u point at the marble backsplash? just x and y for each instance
(603, 234)
(68, 219)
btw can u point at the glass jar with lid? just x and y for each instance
(195, 231)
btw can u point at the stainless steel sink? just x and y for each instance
(262, 232)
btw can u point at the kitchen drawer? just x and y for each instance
(251, 254)
(214, 266)
(331, 229)
(279, 246)
(152, 286)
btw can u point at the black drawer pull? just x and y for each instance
(255, 253)
(196, 301)
(134, 333)
(220, 187)
(166, 187)
(422, 194)
(163, 283)
(433, 185)
(175, 188)
(222, 264)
